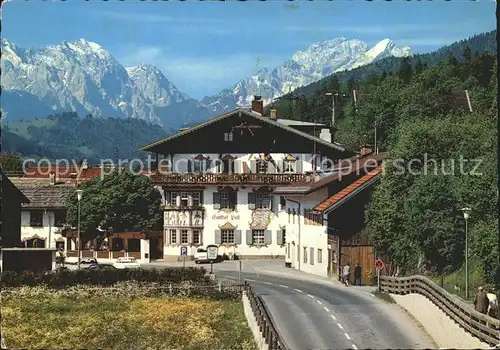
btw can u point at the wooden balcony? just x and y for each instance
(190, 179)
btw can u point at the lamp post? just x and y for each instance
(79, 194)
(466, 212)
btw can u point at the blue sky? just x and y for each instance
(203, 47)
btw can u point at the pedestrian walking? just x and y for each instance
(357, 275)
(347, 273)
(481, 301)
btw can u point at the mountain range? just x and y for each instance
(82, 77)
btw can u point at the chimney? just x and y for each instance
(273, 113)
(258, 105)
(325, 135)
(365, 150)
(52, 178)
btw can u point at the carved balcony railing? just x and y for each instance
(223, 179)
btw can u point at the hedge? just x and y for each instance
(102, 277)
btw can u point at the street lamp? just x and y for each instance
(466, 212)
(79, 194)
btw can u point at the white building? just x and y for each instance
(217, 180)
(315, 234)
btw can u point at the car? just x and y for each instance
(89, 263)
(201, 256)
(126, 263)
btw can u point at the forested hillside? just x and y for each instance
(442, 156)
(68, 136)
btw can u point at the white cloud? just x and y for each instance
(201, 75)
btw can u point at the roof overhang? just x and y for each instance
(153, 147)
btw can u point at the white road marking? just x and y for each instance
(354, 347)
(297, 290)
(310, 296)
(326, 309)
(340, 326)
(281, 285)
(335, 318)
(347, 336)
(248, 279)
(233, 278)
(269, 283)
(319, 302)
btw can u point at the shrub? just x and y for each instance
(102, 277)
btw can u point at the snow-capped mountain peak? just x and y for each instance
(305, 67)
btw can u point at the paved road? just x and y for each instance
(313, 315)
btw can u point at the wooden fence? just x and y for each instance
(484, 327)
(266, 325)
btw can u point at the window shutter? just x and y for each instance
(311, 255)
(271, 168)
(234, 199)
(237, 236)
(249, 237)
(238, 166)
(251, 200)
(190, 166)
(216, 201)
(218, 237)
(208, 165)
(178, 200)
(190, 200)
(298, 166)
(268, 237)
(279, 237)
(253, 166)
(167, 236)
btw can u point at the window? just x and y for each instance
(312, 218)
(134, 245)
(258, 237)
(173, 198)
(173, 236)
(263, 200)
(289, 214)
(184, 236)
(117, 244)
(289, 166)
(305, 255)
(197, 166)
(293, 216)
(225, 200)
(283, 233)
(196, 199)
(36, 218)
(320, 256)
(228, 136)
(227, 236)
(312, 256)
(184, 199)
(59, 218)
(288, 249)
(196, 237)
(282, 203)
(60, 245)
(261, 166)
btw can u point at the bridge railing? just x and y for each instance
(484, 327)
(264, 321)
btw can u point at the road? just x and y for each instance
(316, 313)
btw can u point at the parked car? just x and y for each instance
(126, 263)
(201, 256)
(89, 263)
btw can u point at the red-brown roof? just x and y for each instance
(353, 165)
(348, 191)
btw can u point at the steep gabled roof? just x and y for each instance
(7, 184)
(240, 111)
(350, 191)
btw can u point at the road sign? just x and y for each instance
(212, 252)
(184, 251)
(379, 264)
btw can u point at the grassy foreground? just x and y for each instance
(123, 322)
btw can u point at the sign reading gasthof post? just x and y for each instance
(212, 252)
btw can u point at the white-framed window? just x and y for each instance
(261, 166)
(196, 199)
(228, 136)
(184, 199)
(197, 166)
(258, 237)
(289, 166)
(320, 256)
(196, 237)
(227, 236)
(262, 200)
(184, 237)
(305, 255)
(173, 236)
(173, 198)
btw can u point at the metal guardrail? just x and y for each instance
(484, 327)
(266, 325)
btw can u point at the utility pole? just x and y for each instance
(376, 149)
(333, 94)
